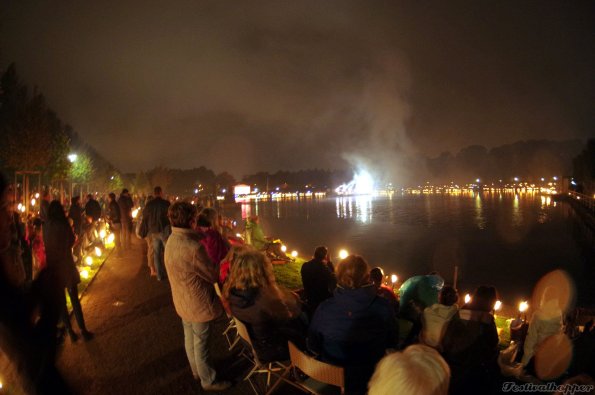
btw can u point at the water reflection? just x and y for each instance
(517, 214)
(480, 219)
(363, 208)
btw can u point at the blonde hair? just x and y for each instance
(417, 370)
(250, 269)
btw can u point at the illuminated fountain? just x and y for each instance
(362, 184)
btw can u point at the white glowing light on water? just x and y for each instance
(97, 251)
(89, 260)
(284, 248)
(467, 298)
(362, 184)
(294, 254)
(523, 306)
(343, 254)
(497, 305)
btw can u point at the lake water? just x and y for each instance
(501, 239)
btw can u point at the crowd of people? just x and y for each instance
(345, 315)
(420, 340)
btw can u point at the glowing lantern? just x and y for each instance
(467, 298)
(497, 305)
(284, 248)
(294, 254)
(89, 260)
(33, 201)
(97, 251)
(523, 306)
(102, 233)
(110, 238)
(36, 197)
(135, 213)
(393, 278)
(85, 273)
(343, 254)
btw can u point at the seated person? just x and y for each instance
(417, 370)
(382, 290)
(470, 344)
(355, 327)
(271, 314)
(435, 318)
(255, 234)
(416, 294)
(318, 279)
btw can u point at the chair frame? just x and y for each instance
(318, 370)
(270, 368)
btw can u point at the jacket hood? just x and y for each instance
(442, 311)
(243, 298)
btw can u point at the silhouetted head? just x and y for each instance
(484, 298)
(112, 196)
(75, 200)
(448, 296)
(56, 211)
(321, 252)
(157, 191)
(376, 276)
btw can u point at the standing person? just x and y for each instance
(92, 208)
(142, 232)
(216, 245)
(318, 279)
(44, 205)
(192, 275)
(58, 239)
(156, 213)
(125, 203)
(115, 222)
(76, 214)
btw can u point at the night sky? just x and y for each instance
(248, 86)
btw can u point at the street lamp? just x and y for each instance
(72, 158)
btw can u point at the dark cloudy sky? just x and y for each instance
(250, 85)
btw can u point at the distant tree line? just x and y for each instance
(34, 138)
(528, 160)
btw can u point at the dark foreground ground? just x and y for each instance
(138, 346)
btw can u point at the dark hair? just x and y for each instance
(352, 272)
(181, 214)
(376, 275)
(112, 196)
(75, 200)
(203, 221)
(484, 298)
(320, 252)
(124, 191)
(157, 191)
(89, 196)
(448, 295)
(56, 211)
